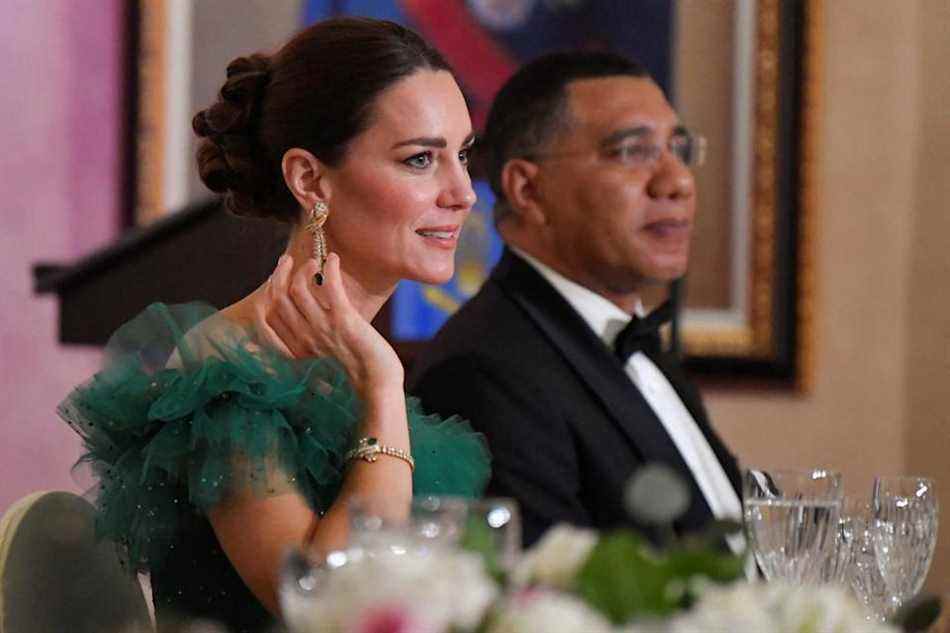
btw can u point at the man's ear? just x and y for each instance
(519, 180)
(306, 177)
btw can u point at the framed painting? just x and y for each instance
(745, 76)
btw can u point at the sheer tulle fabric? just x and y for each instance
(182, 413)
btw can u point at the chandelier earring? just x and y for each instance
(318, 217)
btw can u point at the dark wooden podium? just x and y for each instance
(202, 252)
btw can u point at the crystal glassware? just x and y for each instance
(301, 577)
(837, 568)
(904, 532)
(494, 528)
(791, 519)
(864, 573)
(491, 526)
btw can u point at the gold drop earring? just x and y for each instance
(318, 217)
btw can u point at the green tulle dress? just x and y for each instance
(181, 413)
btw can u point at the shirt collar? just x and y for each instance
(606, 319)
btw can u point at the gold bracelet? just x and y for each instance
(369, 449)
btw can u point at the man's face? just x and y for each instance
(617, 219)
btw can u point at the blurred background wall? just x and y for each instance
(59, 198)
(881, 310)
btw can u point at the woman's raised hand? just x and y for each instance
(303, 320)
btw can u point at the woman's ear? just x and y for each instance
(519, 182)
(306, 177)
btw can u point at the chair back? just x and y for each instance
(55, 576)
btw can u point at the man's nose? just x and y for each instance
(671, 180)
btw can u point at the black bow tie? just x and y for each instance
(642, 334)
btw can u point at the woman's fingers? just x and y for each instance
(280, 323)
(261, 309)
(300, 318)
(293, 326)
(299, 347)
(267, 332)
(281, 277)
(287, 318)
(306, 299)
(332, 288)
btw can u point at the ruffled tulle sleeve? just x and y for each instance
(181, 413)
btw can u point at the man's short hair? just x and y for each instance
(532, 106)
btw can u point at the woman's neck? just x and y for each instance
(365, 294)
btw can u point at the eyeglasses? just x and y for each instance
(640, 152)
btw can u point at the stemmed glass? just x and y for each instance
(491, 526)
(837, 569)
(867, 583)
(904, 533)
(791, 518)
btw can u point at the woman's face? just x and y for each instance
(402, 192)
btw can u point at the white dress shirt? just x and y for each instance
(607, 320)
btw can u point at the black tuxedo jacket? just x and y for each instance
(565, 424)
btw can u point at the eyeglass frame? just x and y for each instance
(695, 143)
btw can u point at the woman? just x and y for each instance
(222, 439)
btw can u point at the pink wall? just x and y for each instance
(59, 130)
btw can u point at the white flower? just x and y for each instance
(439, 590)
(737, 608)
(555, 560)
(776, 608)
(538, 611)
(828, 610)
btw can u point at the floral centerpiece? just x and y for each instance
(572, 580)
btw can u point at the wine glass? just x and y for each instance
(904, 533)
(490, 526)
(301, 577)
(791, 518)
(494, 529)
(838, 567)
(864, 575)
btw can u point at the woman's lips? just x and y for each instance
(441, 236)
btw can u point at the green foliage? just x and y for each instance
(624, 577)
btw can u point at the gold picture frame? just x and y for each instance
(771, 340)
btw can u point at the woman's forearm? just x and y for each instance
(256, 532)
(383, 487)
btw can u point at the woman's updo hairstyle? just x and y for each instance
(315, 93)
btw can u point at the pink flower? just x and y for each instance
(391, 618)
(524, 597)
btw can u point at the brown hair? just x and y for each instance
(315, 93)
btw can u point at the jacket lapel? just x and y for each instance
(592, 362)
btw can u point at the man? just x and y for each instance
(595, 202)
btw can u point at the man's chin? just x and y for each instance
(659, 281)
(668, 268)
(664, 272)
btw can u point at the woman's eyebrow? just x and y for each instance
(425, 141)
